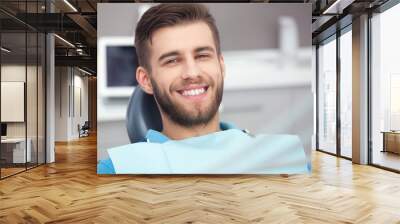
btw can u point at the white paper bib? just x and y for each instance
(224, 152)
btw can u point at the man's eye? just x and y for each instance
(202, 56)
(171, 61)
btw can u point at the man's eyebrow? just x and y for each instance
(175, 53)
(205, 48)
(168, 54)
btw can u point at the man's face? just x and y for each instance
(186, 73)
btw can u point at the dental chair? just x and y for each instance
(142, 115)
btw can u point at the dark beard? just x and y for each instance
(179, 115)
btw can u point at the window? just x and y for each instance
(327, 96)
(22, 78)
(385, 89)
(346, 93)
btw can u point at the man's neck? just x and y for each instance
(178, 132)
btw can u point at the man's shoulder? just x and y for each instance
(105, 166)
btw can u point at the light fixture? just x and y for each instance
(64, 40)
(5, 50)
(70, 5)
(79, 51)
(337, 7)
(84, 71)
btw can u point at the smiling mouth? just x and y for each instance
(193, 91)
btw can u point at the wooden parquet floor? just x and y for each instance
(70, 191)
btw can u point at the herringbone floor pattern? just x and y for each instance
(70, 191)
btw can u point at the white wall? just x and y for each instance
(12, 73)
(12, 100)
(70, 83)
(61, 103)
(33, 105)
(79, 117)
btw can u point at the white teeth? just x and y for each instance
(193, 92)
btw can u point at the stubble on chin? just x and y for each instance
(187, 117)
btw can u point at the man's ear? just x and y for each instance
(143, 78)
(222, 63)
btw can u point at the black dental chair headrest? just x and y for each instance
(142, 115)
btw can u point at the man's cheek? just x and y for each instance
(214, 70)
(211, 67)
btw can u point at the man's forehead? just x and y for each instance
(186, 36)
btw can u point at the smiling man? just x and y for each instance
(181, 65)
(178, 46)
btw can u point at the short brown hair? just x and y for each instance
(165, 15)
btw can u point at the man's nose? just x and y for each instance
(191, 69)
